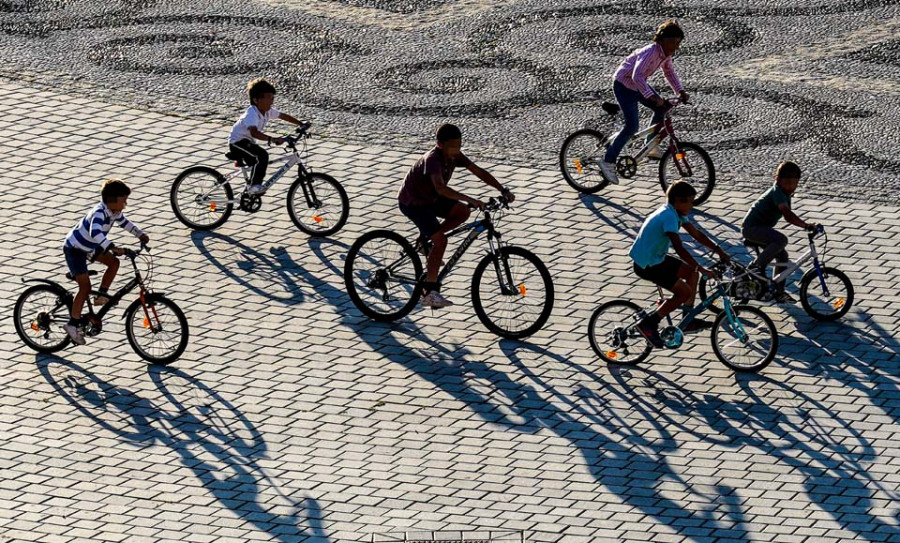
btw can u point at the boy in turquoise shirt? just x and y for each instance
(651, 261)
(764, 214)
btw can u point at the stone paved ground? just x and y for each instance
(293, 418)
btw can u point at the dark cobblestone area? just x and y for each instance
(816, 82)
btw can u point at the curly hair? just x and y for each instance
(669, 29)
(258, 87)
(112, 189)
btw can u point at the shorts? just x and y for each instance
(76, 260)
(426, 217)
(664, 274)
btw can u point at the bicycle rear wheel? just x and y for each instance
(745, 342)
(514, 299)
(159, 335)
(39, 316)
(691, 163)
(613, 336)
(816, 303)
(381, 274)
(201, 199)
(318, 205)
(580, 158)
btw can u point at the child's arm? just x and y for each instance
(133, 228)
(792, 218)
(687, 257)
(704, 240)
(489, 180)
(668, 68)
(289, 119)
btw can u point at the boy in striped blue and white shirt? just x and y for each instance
(88, 239)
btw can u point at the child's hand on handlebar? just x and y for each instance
(476, 204)
(685, 97)
(657, 101)
(145, 239)
(278, 141)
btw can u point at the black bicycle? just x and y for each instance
(155, 327)
(512, 291)
(318, 205)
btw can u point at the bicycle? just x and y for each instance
(203, 199)
(583, 151)
(826, 293)
(155, 326)
(383, 274)
(743, 337)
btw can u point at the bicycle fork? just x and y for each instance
(501, 266)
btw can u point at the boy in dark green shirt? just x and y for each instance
(759, 223)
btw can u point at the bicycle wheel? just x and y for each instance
(580, 158)
(613, 336)
(691, 163)
(318, 205)
(816, 303)
(745, 341)
(40, 314)
(160, 334)
(201, 199)
(381, 274)
(515, 298)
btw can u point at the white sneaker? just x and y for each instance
(608, 169)
(655, 152)
(256, 190)
(434, 300)
(75, 334)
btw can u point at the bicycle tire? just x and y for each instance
(326, 220)
(566, 160)
(184, 205)
(810, 278)
(609, 349)
(513, 301)
(58, 315)
(172, 350)
(767, 344)
(370, 268)
(703, 190)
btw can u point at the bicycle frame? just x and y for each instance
(287, 162)
(786, 272)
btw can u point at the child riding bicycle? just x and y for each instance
(425, 196)
(250, 126)
(631, 88)
(679, 276)
(87, 239)
(759, 223)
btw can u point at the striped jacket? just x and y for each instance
(641, 64)
(89, 234)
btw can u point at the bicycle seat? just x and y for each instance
(71, 277)
(239, 159)
(611, 108)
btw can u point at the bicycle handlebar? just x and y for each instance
(493, 204)
(301, 132)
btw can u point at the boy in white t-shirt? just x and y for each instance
(250, 126)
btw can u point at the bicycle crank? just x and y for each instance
(626, 166)
(250, 204)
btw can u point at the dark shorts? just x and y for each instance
(664, 274)
(426, 217)
(76, 260)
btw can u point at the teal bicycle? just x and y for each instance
(743, 337)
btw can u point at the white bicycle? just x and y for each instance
(203, 199)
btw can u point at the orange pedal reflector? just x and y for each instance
(212, 206)
(35, 327)
(317, 218)
(146, 322)
(612, 354)
(839, 303)
(522, 290)
(679, 156)
(578, 165)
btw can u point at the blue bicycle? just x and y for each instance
(743, 337)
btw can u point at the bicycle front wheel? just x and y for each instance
(40, 314)
(691, 163)
(318, 205)
(158, 334)
(381, 274)
(201, 199)
(613, 335)
(580, 158)
(744, 339)
(814, 301)
(514, 299)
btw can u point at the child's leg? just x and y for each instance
(112, 268)
(659, 113)
(775, 243)
(628, 101)
(255, 155)
(84, 289)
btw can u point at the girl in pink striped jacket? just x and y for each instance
(631, 88)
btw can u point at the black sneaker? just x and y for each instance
(698, 324)
(783, 297)
(650, 333)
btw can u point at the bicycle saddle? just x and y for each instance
(239, 159)
(611, 108)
